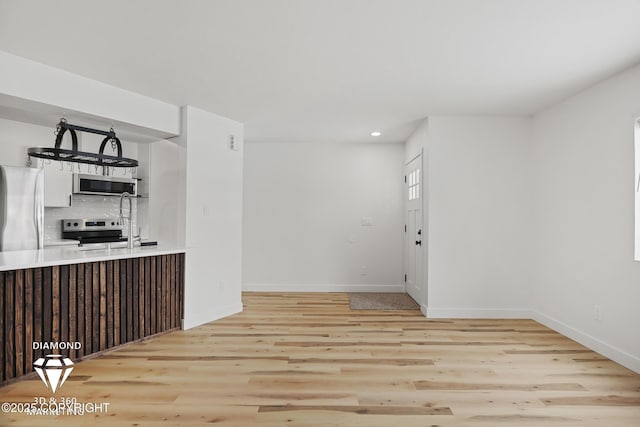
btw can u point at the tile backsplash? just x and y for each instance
(90, 206)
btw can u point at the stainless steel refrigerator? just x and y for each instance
(21, 208)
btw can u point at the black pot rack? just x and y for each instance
(75, 156)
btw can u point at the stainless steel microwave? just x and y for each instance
(103, 185)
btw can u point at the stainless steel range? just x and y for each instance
(98, 230)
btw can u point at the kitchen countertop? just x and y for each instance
(60, 242)
(60, 255)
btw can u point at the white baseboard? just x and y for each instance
(478, 313)
(271, 287)
(424, 309)
(196, 319)
(625, 359)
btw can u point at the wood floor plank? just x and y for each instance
(359, 361)
(360, 409)
(444, 385)
(611, 400)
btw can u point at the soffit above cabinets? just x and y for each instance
(48, 116)
(34, 93)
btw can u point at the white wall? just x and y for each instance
(584, 193)
(303, 209)
(479, 217)
(167, 195)
(213, 216)
(418, 141)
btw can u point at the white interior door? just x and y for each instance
(413, 236)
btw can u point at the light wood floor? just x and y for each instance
(308, 360)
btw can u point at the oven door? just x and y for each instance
(103, 185)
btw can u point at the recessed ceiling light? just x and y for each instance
(376, 133)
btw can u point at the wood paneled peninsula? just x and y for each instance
(89, 301)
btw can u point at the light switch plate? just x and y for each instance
(366, 221)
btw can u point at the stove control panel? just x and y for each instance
(100, 224)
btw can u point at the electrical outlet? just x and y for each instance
(597, 312)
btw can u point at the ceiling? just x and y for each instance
(333, 70)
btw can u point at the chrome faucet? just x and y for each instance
(130, 238)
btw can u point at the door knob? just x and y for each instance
(419, 242)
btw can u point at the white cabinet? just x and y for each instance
(58, 185)
(57, 188)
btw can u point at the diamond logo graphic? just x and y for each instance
(53, 370)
